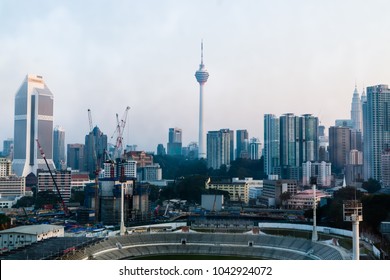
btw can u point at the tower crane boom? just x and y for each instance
(119, 131)
(66, 210)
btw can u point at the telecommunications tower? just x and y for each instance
(201, 76)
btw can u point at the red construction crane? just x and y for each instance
(120, 127)
(66, 210)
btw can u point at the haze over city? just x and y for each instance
(262, 56)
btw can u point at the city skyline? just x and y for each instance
(265, 58)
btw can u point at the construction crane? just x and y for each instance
(66, 210)
(97, 168)
(120, 127)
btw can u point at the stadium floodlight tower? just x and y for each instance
(353, 212)
(313, 182)
(201, 76)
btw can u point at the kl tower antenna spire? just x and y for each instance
(201, 76)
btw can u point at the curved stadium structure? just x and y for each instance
(235, 245)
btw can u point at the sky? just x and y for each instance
(262, 56)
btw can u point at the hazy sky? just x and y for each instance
(262, 56)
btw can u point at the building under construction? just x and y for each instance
(117, 176)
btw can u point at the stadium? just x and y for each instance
(211, 239)
(159, 242)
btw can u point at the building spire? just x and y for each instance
(201, 52)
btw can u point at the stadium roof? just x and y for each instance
(32, 229)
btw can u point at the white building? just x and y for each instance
(255, 149)
(320, 170)
(12, 186)
(255, 187)
(16, 237)
(305, 199)
(5, 167)
(8, 201)
(112, 170)
(273, 189)
(150, 173)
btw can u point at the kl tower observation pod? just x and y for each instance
(201, 76)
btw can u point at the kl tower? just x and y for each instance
(201, 76)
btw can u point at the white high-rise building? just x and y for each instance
(219, 148)
(376, 121)
(255, 149)
(33, 120)
(201, 76)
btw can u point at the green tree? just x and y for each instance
(188, 188)
(284, 197)
(46, 198)
(332, 213)
(77, 196)
(376, 208)
(242, 168)
(25, 201)
(5, 222)
(371, 185)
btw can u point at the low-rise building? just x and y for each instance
(8, 201)
(13, 186)
(17, 237)
(62, 178)
(305, 199)
(238, 191)
(272, 190)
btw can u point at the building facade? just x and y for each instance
(75, 156)
(63, 179)
(271, 145)
(339, 147)
(238, 191)
(356, 112)
(5, 167)
(59, 148)
(242, 144)
(13, 186)
(33, 120)
(219, 148)
(305, 199)
(376, 127)
(95, 150)
(385, 166)
(272, 190)
(321, 170)
(150, 173)
(142, 158)
(255, 150)
(8, 148)
(174, 145)
(354, 168)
